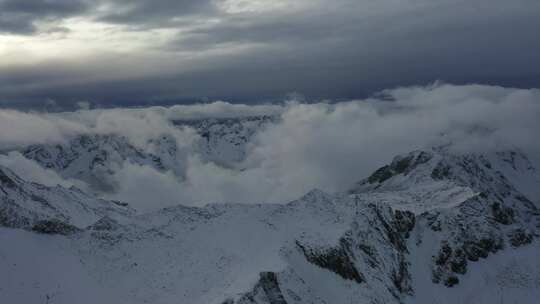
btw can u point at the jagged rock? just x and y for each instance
(337, 260)
(5, 180)
(54, 226)
(519, 237)
(266, 291)
(441, 171)
(382, 248)
(451, 281)
(503, 215)
(400, 165)
(11, 215)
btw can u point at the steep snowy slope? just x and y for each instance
(431, 227)
(34, 206)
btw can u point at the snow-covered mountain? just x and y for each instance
(95, 158)
(32, 206)
(430, 227)
(225, 140)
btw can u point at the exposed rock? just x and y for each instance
(266, 291)
(519, 237)
(337, 260)
(400, 165)
(54, 226)
(503, 215)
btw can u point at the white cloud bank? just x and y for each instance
(328, 146)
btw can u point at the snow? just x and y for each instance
(209, 254)
(44, 269)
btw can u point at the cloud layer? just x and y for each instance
(133, 52)
(318, 145)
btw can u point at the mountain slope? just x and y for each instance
(33, 206)
(430, 227)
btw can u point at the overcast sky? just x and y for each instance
(128, 52)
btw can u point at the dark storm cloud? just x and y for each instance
(19, 16)
(338, 49)
(155, 13)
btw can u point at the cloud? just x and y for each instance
(317, 145)
(146, 188)
(186, 51)
(21, 129)
(158, 13)
(21, 16)
(220, 109)
(83, 105)
(331, 146)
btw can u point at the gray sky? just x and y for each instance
(128, 52)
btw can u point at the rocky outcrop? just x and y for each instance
(379, 237)
(373, 252)
(495, 219)
(266, 291)
(400, 165)
(54, 226)
(336, 259)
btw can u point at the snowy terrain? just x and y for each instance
(94, 158)
(432, 226)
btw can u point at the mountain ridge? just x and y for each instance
(427, 221)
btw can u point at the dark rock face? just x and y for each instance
(520, 237)
(266, 291)
(337, 260)
(469, 239)
(482, 225)
(399, 166)
(54, 226)
(10, 215)
(270, 286)
(480, 228)
(397, 226)
(6, 181)
(404, 222)
(503, 215)
(374, 250)
(448, 262)
(476, 249)
(440, 172)
(381, 175)
(451, 281)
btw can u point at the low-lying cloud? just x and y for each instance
(323, 145)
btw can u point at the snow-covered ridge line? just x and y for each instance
(57, 209)
(428, 225)
(97, 161)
